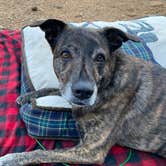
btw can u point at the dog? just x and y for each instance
(116, 98)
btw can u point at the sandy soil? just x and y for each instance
(16, 13)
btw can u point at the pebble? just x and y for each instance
(132, 14)
(78, 16)
(34, 9)
(58, 6)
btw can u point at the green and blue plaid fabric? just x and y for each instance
(139, 50)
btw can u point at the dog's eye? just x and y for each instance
(66, 55)
(100, 57)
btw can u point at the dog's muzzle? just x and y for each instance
(80, 93)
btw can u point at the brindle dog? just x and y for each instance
(116, 98)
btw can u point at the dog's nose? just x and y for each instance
(82, 90)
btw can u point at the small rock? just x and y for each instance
(34, 9)
(58, 6)
(131, 14)
(1, 27)
(78, 16)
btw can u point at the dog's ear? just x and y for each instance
(116, 37)
(52, 29)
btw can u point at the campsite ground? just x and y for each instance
(17, 13)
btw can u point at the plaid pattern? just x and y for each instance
(49, 124)
(11, 125)
(13, 134)
(139, 50)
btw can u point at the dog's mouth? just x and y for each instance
(80, 103)
(76, 102)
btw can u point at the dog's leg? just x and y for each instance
(79, 154)
(99, 136)
(92, 149)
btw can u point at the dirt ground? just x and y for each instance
(16, 13)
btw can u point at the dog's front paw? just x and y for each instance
(9, 160)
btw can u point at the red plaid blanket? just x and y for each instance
(13, 134)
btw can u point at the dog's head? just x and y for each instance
(83, 58)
